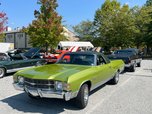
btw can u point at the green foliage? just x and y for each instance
(2, 35)
(148, 34)
(142, 19)
(46, 30)
(84, 30)
(117, 25)
(114, 25)
(148, 3)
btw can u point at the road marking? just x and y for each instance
(108, 96)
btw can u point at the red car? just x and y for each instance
(53, 57)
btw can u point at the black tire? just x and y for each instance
(115, 79)
(83, 96)
(2, 72)
(132, 68)
(138, 64)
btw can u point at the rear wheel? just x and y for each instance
(2, 72)
(115, 79)
(83, 96)
(132, 68)
(138, 64)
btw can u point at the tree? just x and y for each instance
(142, 19)
(84, 30)
(148, 34)
(46, 30)
(3, 21)
(114, 25)
(148, 3)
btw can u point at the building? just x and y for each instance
(70, 35)
(21, 39)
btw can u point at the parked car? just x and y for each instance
(12, 61)
(53, 57)
(57, 54)
(71, 78)
(130, 56)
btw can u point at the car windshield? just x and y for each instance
(3, 57)
(78, 59)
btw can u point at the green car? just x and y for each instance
(72, 77)
(14, 60)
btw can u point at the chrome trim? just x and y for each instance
(128, 65)
(18, 86)
(122, 69)
(46, 93)
(17, 69)
(100, 83)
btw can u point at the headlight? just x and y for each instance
(20, 80)
(58, 86)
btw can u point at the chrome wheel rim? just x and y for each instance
(117, 77)
(1, 72)
(86, 95)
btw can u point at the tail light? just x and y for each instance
(129, 61)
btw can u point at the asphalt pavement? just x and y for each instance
(132, 95)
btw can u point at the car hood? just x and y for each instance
(32, 52)
(59, 72)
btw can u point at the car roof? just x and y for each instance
(85, 52)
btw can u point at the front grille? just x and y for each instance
(35, 83)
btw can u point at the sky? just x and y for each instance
(20, 12)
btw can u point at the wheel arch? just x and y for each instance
(5, 71)
(88, 82)
(4, 68)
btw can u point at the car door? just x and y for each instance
(31, 62)
(102, 72)
(19, 62)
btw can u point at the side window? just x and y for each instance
(100, 60)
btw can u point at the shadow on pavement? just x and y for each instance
(23, 103)
(9, 74)
(147, 76)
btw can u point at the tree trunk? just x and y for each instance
(46, 47)
(147, 49)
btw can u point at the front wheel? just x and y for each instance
(138, 64)
(83, 96)
(132, 68)
(2, 72)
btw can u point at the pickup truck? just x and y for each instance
(71, 78)
(131, 57)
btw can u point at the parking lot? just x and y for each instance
(132, 95)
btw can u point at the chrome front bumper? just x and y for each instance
(128, 65)
(45, 93)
